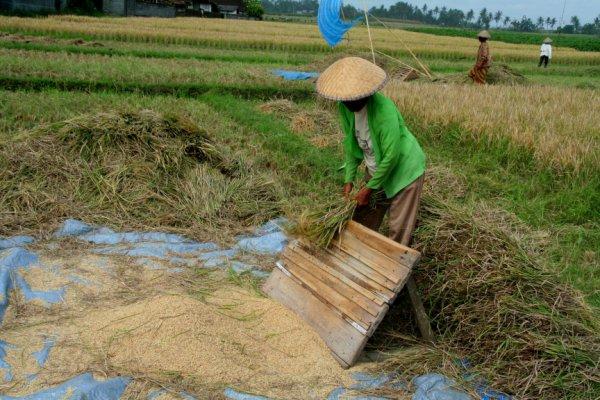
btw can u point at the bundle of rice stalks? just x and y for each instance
(320, 226)
(129, 168)
(492, 303)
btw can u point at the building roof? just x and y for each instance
(238, 3)
(166, 2)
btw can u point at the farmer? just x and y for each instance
(479, 71)
(375, 134)
(545, 52)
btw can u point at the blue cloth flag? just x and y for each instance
(330, 23)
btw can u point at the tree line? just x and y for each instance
(442, 16)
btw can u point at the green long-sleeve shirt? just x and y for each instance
(398, 155)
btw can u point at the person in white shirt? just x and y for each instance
(545, 52)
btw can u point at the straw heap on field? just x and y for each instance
(495, 307)
(133, 168)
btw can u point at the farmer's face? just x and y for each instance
(356, 105)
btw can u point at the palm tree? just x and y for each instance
(498, 17)
(548, 22)
(540, 23)
(575, 22)
(553, 23)
(470, 15)
(483, 18)
(506, 21)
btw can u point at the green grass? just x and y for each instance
(127, 69)
(555, 74)
(579, 42)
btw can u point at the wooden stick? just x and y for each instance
(369, 31)
(425, 69)
(397, 60)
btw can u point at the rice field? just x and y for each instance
(512, 169)
(273, 36)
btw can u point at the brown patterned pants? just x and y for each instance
(403, 209)
(479, 74)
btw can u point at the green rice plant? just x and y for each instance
(579, 42)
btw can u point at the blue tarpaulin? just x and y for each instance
(295, 75)
(437, 387)
(330, 23)
(155, 250)
(82, 387)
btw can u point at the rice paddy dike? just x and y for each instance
(510, 232)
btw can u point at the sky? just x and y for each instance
(586, 10)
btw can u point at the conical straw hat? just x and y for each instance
(484, 34)
(350, 78)
(547, 40)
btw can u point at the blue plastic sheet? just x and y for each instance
(331, 25)
(72, 227)
(295, 75)
(364, 381)
(82, 387)
(235, 395)
(8, 376)
(15, 241)
(437, 387)
(41, 356)
(10, 261)
(51, 296)
(176, 249)
(271, 243)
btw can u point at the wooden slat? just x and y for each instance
(318, 270)
(405, 255)
(330, 295)
(386, 266)
(318, 259)
(364, 269)
(343, 340)
(365, 281)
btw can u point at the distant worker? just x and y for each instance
(376, 135)
(479, 72)
(545, 52)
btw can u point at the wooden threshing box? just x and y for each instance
(345, 291)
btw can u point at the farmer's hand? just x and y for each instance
(347, 189)
(363, 196)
